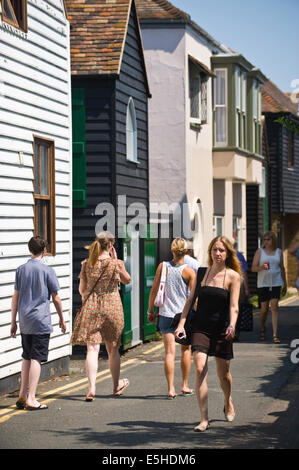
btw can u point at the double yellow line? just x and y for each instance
(59, 392)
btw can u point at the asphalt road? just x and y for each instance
(265, 395)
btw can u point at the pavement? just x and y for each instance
(265, 396)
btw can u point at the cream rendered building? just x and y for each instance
(189, 164)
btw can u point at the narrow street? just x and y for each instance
(265, 391)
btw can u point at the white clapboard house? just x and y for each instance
(35, 163)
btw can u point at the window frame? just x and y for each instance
(215, 219)
(51, 218)
(131, 112)
(225, 106)
(197, 75)
(17, 22)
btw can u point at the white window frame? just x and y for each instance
(237, 227)
(220, 143)
(192, 119)
(217, 218)
(131, 134)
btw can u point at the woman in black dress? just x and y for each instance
(214, 326)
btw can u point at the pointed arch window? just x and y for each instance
(131, 132)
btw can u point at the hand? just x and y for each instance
(180, 332)
(62, 326)
(13, 330)
(152, 317)
(113, 253)
(230, 332)
(284, 291)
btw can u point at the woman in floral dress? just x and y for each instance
(101, 318)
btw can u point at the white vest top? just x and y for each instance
(176, 291)
(271, 277)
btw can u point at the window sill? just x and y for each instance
(196, 126)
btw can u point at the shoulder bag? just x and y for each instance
(159, 300)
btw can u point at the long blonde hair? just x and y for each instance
(232, 260)
(100, 244)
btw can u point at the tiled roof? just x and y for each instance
(98, 32)
(275, 101)
(159, 9)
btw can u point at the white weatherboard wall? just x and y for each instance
(35, 99)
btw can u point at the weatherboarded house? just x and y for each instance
(35, 163)
(110, 142)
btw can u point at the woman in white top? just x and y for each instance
(268, 263)
(179, 281)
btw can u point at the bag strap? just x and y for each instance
(200, 275)
(91, 291)
(163, 274)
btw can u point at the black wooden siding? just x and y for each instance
(283, 182)
(252, 215)
(98, 128)
(109, 174)
(132, 178)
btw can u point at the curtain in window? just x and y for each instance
(131, 132)
(220, 106)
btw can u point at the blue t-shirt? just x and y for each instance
(243, 262)
(35, 282)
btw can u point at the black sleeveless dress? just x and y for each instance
(211, 321)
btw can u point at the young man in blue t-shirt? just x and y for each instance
(34, 283)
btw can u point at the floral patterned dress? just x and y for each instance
(101, 318)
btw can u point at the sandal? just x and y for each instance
(89, 397)
(276, 340)
(262, 334)
(119, 391)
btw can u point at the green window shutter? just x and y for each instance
(79, 152)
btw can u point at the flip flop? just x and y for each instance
(188, 394)
(33, 408)
(171, 397)
(126, 383)
(21, 403)
(89, 397)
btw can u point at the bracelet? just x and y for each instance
(150, 313)
(231, 326)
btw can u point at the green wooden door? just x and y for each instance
(126, 294)
(79, 154)
(149, 270)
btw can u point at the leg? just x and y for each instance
(34, 375)
(91, 366)
(263, 316)
(24, 378)
(169, 346)
(114, 364)
(185, 367)
(225, 379)
(274, 311)
(201, 385)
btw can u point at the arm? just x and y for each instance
(58, 306)
(181, 326)
(234, 305)
(14, 310)
(293, 249)
(246, 283)
(283, 274)
(255, 268)
(125, 277)
(153, 293)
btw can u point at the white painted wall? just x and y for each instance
(165, 60)
(35, 99)
(199, 162)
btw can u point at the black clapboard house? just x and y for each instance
(277, 208)
(110, 95)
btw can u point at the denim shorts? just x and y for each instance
(164, 324)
